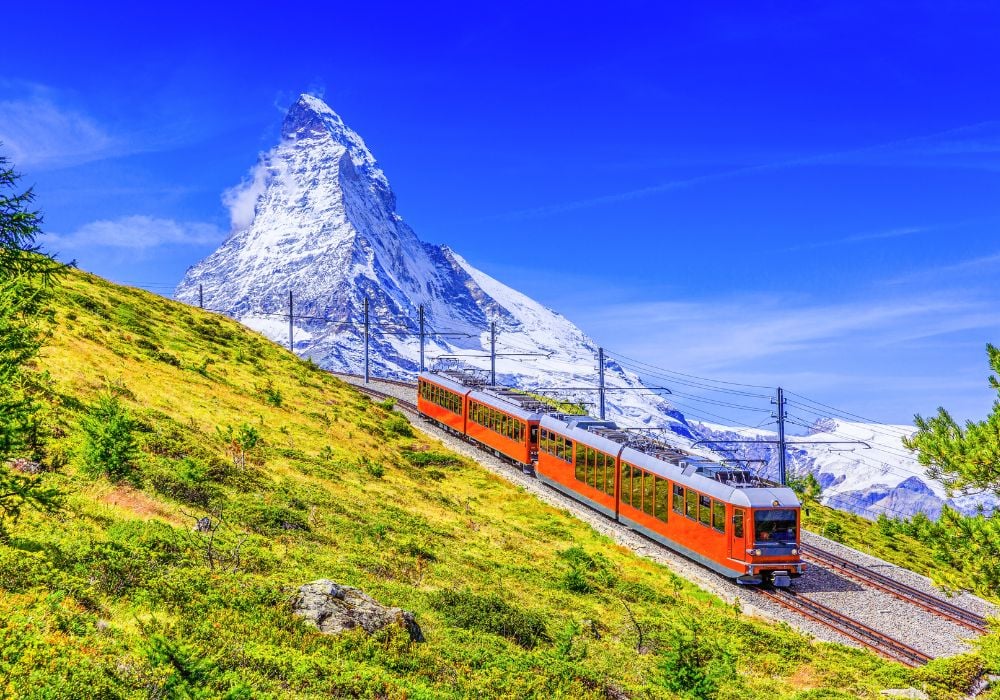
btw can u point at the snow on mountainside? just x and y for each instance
(318, 218)
(883, 477)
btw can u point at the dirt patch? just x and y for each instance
(137, 502)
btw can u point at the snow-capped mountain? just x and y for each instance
(863, 467)
(318, 218)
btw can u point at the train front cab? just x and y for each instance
(766, 536)
(442, 400)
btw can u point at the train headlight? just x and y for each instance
(794, 551)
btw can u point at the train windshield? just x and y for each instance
(774, 526)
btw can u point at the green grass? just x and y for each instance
(117, 596)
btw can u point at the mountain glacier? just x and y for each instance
(317, 219)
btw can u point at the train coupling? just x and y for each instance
(781, 579)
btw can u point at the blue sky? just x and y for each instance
(765, 192)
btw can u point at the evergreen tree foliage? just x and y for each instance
(110, 447)
(966, 459)
(25, 275)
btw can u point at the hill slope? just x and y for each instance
(116, 596)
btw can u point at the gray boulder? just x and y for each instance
(333, 609)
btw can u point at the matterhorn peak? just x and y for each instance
(314, 122)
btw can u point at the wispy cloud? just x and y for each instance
(718, 337)
(910, 147)
(135, 234)
(865, 237)
(38, 132)
(980, 264)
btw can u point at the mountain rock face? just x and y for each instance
(320, 222)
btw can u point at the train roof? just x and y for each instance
(447, 382)
(508, 400)
(732, 483)
(504, 405)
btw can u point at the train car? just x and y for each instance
(720, 516)
(504, 426)
(717, 515)
(443, 400)
(581, 463)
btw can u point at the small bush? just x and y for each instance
(169, 358)
(109, 447)
(375, 469)
(491, 614)
(272, 394)
(431, 458)
(397, 425)
(693, 665)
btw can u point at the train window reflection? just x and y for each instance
(774, 526)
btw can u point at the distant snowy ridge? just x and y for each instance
(876, 474)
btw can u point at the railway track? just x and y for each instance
(814, 610)
(847, 626)
(884, 583)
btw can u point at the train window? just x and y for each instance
(606, 473)
(637, 476)
(705, 510)
(648, 482)
(581, 464)
(534, 434)
(691, 505)
(626, 492)
(662, 491)
(678, 498)
(719, 516)
(738, 524)
(774, 526)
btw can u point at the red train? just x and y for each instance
(720, 516)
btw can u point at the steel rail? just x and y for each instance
(847, 626)
(904, 592)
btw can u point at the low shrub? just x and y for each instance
(491, 614)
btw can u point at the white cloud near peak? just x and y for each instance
(241, 200)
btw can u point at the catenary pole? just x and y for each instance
(367, 376)
(779, 401)
(201, 297)
(421, 337)
(493, 353)
(291, 319)
(600, 375)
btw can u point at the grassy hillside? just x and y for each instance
(118, 596)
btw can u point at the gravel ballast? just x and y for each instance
(886, 613)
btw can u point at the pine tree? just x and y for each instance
(966, 459)
(26, 274)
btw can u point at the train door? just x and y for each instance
(738, 542)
